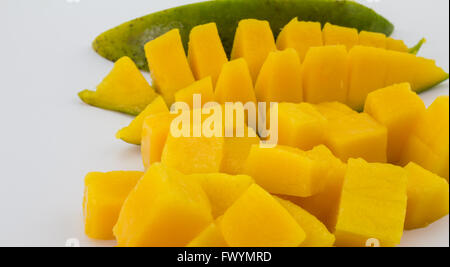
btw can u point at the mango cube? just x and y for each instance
(202, 87)
(338, 35)
(334, 110)
(165, 209)
(396, 45)
(373, 204)
(210, 237)
(104, 195)
(257, 219)
(372, 39)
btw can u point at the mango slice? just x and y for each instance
(253, 41)
(124, 89)
(104, 195)
(338, 35)
(357, 136)
(396, 45)
(300, 125)
(211, 237)
(300, 35)
(206, 54)
(280, 78)
(317, 235)
(428, 197)
(165, 209)
(202, 87)
(372, 39)
(256, 219)
(325, 74)
(373, 204)
(428, 145)
(286, 171)
(398, 109)
(334, 110)
(168, 64)
(132, 133)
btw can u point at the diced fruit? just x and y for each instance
(372, 39)
(104, 195)
(223, 189)
(210, 237)
(325, 74)
(165, 209)
(286, 171)
(133, 133)
(124, 89)
(357, 136)
(398, 109)
(428, 197)
(202, 87)
(396, 45)
(256, 219)
(280, 78)
(253, 41)
(301, 36)
(334, 110)
(373, 204)
(300, 125)
(235, 83)
(168, 64)
(337, 35)
(317, 235)
(206, 54)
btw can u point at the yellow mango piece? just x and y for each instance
(338, 35)
(206, 53)
(168, 64)
(202, 87)
(334, 110)
(396, 45)
(280, 78)
(301, 36)
(165, 209)
(367, 72)
(372, 39)
(325, 74)
(357, 136)
(256, 219)
(223, 189)
(210, 237)
(253, 41)
(398, 109)
(428, 197)
(373, 204)
(300, 125)
(104, 194)
(133, 133)
(317, 235)
(124, 89)
(286, 171)
(235, 83)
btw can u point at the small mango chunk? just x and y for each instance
(373, 204)
(338, 35)
(372, 39)
(280, 78)
(396, 45)
(223, 189)
(286, 171)
(301, 36)
(428, 197)
(124, 89)
(357, 136)
(168, 64)
(300, 125)
(165, 209)
(257, 219)
(133, 133)
(317, 235)
(398, 109)
(334, 110)
(253, 41)
(202, 87)
(211, 237)
(206, 54)
(104, 194)
(325, 74)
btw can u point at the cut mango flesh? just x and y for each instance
(338, 35)
(253, 41)
(104, 195)
(372, 39)
(165, 209)
(206, 54)
(124, 89)
(203, 87)
(257, 219)
(210, 237)
(168, 64)
(373, 204)
(428, 197)
(334, 110)
(396, 45)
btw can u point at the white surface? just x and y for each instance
(49, 139)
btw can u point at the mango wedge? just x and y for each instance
(211, 237)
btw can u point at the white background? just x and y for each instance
(49, 139)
